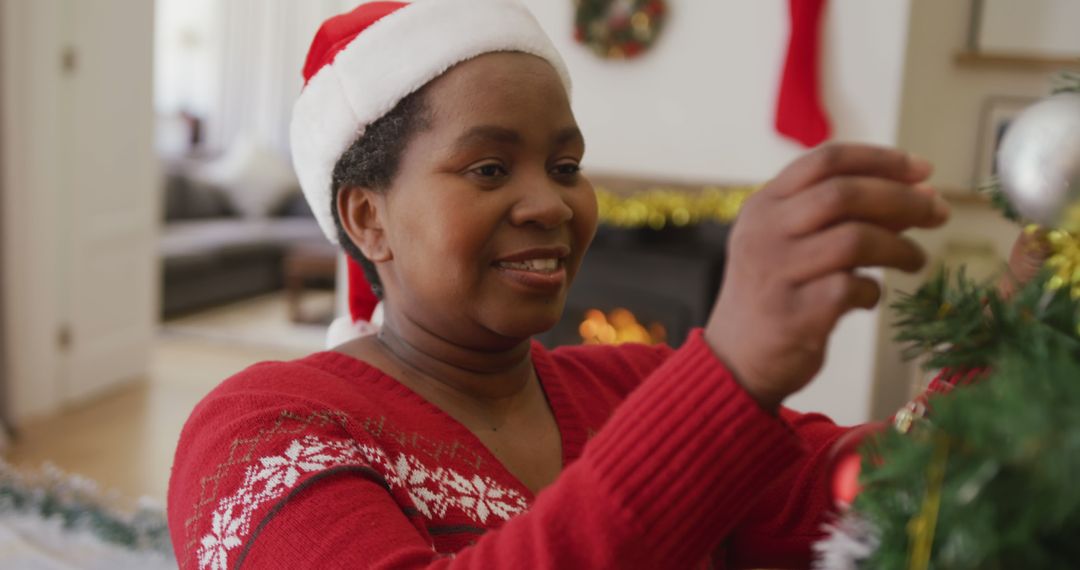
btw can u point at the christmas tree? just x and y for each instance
(989, 475)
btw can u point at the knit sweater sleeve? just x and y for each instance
(667, 478)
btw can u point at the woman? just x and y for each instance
(437, 145)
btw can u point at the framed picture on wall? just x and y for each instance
(997, 113)
(1030, 28)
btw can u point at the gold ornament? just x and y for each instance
(905, 419)
(660, 208)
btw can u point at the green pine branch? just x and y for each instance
(964, 324)
(999, 200)
(1067, 82)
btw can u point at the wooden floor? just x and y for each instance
(125, 440)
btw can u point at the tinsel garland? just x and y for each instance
(76, 504)
(1064, 262)
(660, 208)
(849, 543)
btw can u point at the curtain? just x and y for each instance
(263, 45)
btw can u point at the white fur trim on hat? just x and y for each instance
(343, 329)
(391, 59)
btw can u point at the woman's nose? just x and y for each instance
(542, 204)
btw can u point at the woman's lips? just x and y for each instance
(541, 265)
(542, 275)
(536, 253)
(536, 269)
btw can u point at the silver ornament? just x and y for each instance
(1038, 162)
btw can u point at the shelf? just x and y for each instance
(964, 197)
(971, 58)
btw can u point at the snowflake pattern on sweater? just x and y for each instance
(434, 491)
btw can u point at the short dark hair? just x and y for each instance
(372, 162)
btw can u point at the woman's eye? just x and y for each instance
(566, 169)
(490, 170)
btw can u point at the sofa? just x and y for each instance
(219, 244)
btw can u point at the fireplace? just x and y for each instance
(618, 326)
(667, 280)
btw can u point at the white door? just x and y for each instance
(109, 197)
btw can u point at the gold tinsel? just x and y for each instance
(923, 526)
(1064, 261)
(660, 208)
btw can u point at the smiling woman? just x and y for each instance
(460, 155)
(436, 143)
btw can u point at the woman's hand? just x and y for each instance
(1029, 253)
(793, 255)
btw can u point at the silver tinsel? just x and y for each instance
(1039, 159)
(849, 544)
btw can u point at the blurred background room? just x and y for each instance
(154, 239)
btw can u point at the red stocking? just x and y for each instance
(800, 114)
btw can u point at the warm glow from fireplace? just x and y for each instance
(617, 327)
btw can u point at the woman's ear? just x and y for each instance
(361, 211)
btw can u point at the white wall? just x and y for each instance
(1046, 27)
(700, 107)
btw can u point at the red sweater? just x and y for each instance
(326, 462)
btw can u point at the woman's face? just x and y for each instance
(489, 217)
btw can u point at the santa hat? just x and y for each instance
(362, 63)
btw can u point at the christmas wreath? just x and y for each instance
(619, 29)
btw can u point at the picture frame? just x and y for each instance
(994, 118)
(1032, 29)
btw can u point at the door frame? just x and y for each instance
(32, 46)
(4, 389)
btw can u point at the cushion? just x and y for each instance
(293, 206)
(255, 177)
(188, 199)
